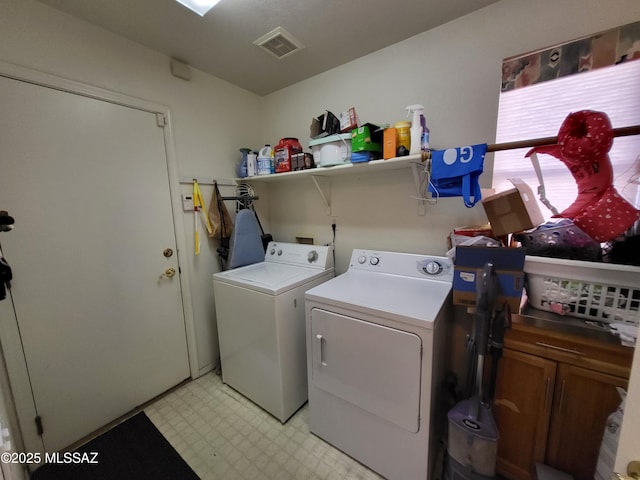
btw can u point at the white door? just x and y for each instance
(87, 183)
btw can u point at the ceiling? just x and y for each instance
(333, 32)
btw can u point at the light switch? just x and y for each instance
(187, 202)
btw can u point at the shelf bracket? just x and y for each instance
(418, 177)
(325, 199)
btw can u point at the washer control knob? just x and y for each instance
(312, 256)
(374, 260)
(362, 259)
(279, 252)
(272, 251)
(433, 268)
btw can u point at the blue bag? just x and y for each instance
(455, 172)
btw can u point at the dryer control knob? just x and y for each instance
(362, 259)
(374, 260)
(272, 251)
(433, 268)
(279, 252)
(312, 256)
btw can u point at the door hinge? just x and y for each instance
(39, 428)
(161, 120)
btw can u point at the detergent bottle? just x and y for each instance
(264, 160)
(417, 127)
(252, 164)
(242, 166)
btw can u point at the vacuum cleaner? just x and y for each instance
(472, 432)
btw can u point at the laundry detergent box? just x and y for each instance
(508, 263)
(366, 138)
(513, 210)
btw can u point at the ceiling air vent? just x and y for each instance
(279, 43)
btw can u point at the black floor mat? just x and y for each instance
(132, 450)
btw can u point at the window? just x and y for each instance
(539, 108)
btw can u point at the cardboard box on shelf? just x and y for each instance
(513, 210)
(508, 264)
(389, 143)
(366, 138)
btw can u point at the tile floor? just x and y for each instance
(222, 435)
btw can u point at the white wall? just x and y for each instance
(209, 116)
(455, 72)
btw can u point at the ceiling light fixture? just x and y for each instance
(199, 6)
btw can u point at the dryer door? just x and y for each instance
(371, 366)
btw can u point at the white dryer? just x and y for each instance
(375, 359)
(261, 331)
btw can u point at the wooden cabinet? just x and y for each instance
(522, 409)
(582, 402)
(553, 395)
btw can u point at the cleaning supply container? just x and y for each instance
(283, 151)
(252, 164)
(264, 160)
(403, 135)
(331, 150)
(417, 127)
(241, 169)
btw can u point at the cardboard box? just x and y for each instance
(508, 264)
(389, 143)
(513, 210)
(367, 138)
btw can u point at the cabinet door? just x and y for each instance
(583, 401)
(521, 408)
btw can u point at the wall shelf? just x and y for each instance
(346, 169)
(410, 161)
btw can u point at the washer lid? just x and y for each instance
(411, 300)
(269, 277)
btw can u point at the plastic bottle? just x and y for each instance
(242, 166)
(283, 152)
(403, 137)
(252, 164)
(417, 127)
(264, 160)
(425, 146)
(272, 161)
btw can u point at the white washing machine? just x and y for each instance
(261, 331)
(375, 360)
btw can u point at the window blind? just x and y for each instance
(539, 110)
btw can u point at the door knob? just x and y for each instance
(633, 472)
(169, 272)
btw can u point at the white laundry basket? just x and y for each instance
(595, 291)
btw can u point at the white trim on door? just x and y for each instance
(14, 359)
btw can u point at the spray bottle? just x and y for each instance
(418, 127)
